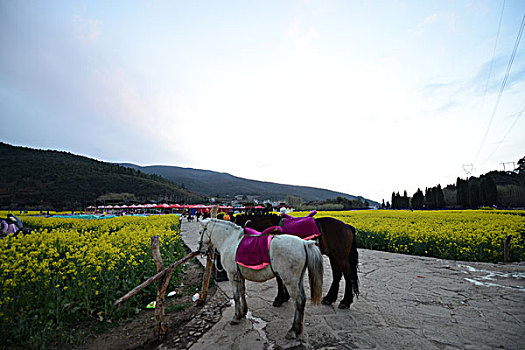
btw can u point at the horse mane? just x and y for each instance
(249, 215)
(225, 222)
(228, 223)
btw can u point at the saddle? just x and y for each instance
(253, 250)
(304, 227)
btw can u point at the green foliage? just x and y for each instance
(339, 203)
(177, 307)
(400, 202)
(418, 199)
(434, 198)
(496, 188)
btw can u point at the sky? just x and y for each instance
(360, 97)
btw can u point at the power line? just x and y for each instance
(494, 51)
(503, 84)
(507, 133)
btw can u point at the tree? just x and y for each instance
(429, 203)
(405, 201)
(439, 197)
(462, 192)
(482, 192)
(396, 201)
(418, 199)
(434, 198)
(488, 192)
(474, 195)
(521, 166)
(293, 201)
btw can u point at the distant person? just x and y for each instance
(226, 217)
(198, 215)
(10, 225)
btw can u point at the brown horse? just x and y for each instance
(337, 241)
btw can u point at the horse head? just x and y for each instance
(205, 240)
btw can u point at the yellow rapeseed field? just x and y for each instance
(67, 270)
(473, 235)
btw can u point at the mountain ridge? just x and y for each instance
(222, 184)
(49, 179)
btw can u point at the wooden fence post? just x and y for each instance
(152, 279)
(206, 278)
(163, 277)
(161, 326)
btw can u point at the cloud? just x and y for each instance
(430, 19)
(452, 23)
(490, 75)
(303, 39)
(87, 28)
(448, 21)
(419, 29)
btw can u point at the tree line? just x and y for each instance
(338, 203)
(432, 198)
(496, 188)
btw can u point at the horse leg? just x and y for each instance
(282, 293)
(349, 295)
(238, 297)
(350, 273)
(334, 287)
(298, 320)
(244, 304)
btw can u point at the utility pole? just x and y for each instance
(508, 164)
(467, 168)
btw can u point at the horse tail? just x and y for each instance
(354, 261)
(314, 261)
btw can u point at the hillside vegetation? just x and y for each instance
(215, 184)
(44, 179)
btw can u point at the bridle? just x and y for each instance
(201, 241)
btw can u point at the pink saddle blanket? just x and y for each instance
(254, 249)
(304, 227)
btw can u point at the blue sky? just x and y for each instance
(362, 97)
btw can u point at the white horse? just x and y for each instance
(287, 260)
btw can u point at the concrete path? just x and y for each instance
(406, 302)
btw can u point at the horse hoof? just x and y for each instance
(234, 322)
(277, 303)
(343, 306)
(326, 302)
(291, 334)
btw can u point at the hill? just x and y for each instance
(215, 184)
(45, 179)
